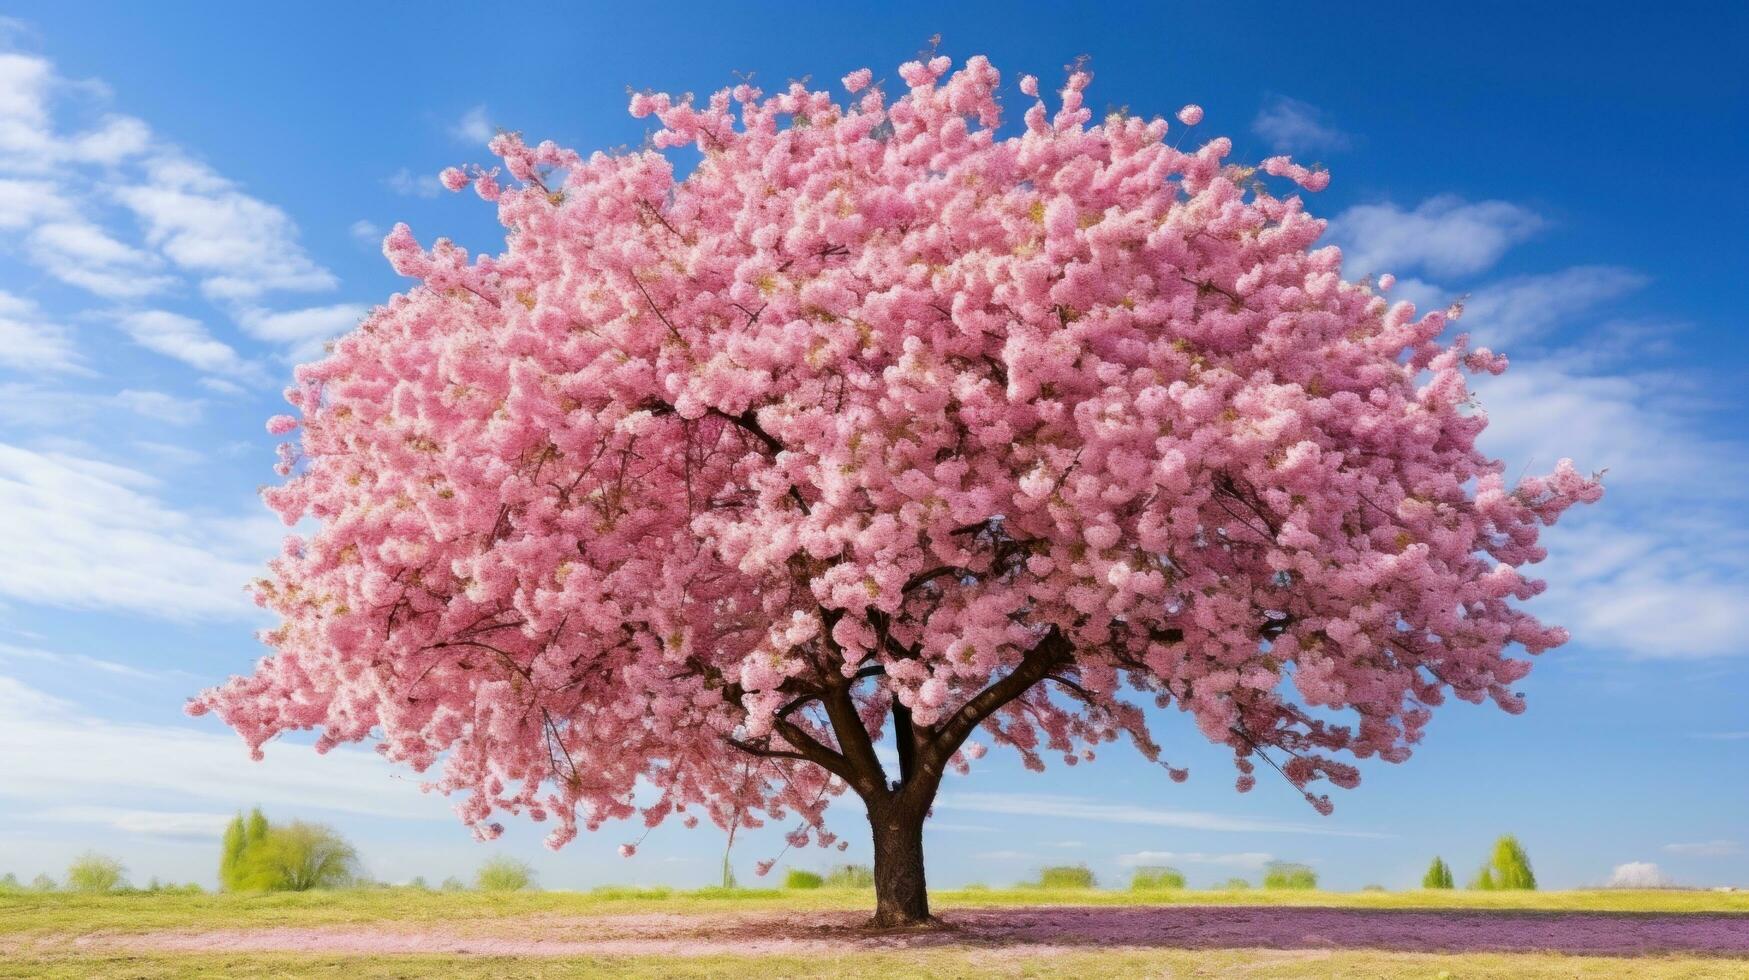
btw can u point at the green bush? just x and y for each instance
(1438, 875)
(1066, 876)
(453, 884)
(43, 883)
(9, 884)
(850, 876)
(1285, 874)
(1235, 885)
(504, 874)
(1507, 869)
(299, 857)
(1372, 888)
(1156, 879)
(94, 873)
(797, 878)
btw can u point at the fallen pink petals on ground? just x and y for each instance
(1032, 930)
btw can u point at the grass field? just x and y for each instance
(661, 933)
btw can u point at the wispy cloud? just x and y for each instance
(1709, 848)
(1637, 874)
(185, 339)
(76, 661)
(146, 823)
(302, 332)
(409, 184)
(474, 126)
(1443, 235)
(107, 771)
(1528, 307)
(240, 245)
(1076, 808)
(1237, 859)
(84, 533)
(1291, 125)
(161, 406)
(30, 341)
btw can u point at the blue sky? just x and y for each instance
(191, 200)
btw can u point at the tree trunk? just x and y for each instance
(901, 895)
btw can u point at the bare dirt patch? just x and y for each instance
(1029, 930)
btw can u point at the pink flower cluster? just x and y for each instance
(874, 393)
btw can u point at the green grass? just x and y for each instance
(475, 911)
(36, 933)
(1262, 964)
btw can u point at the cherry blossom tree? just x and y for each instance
(882, 425)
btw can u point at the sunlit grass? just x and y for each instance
(475, 912)
(1264, 964)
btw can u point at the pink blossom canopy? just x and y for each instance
(878, 400)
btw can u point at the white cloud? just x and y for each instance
(1659, 568)
(243, 245)
(1444, 235)
(1529, 306)
(1289, 124)
(158, 405)
(28, 140)
(1709, 848)
(304, 331)
(29, 342)
(14, 652)
(1076, 808)
(408, 184)
(88, 534)
(474, 126)
(84, 255)
(148, 823)
(1637, 874)
(1238, 859)
(23, 203)
(185, 339)
(58, 755)
(366, 232)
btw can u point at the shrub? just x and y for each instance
(1235, 884)
(453, 884)
(1438, 875)
(1507, 868)
(850, 876)
(94, 873)
(9, 884)
(1067, 876)
(1156, 879)
(43, 883)
(298, 857)
(1285, 874)
(1372, 888)
(504, 874)
(797, 878)
(419, 884)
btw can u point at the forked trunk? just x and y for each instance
(901, 894)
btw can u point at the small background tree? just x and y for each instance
(9, 884)
(93, 873)
(850, 876)
(1286, 874)
(1438, 875)
(1066, 876)
(797, 878)
(1235, 884)
(503, 874)
(1507, 868)
(301, 856)
(1156, 879)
